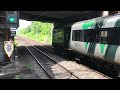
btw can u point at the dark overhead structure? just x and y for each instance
(59, 17)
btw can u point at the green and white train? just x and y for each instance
(98, 37)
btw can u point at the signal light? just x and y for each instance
(12, 19)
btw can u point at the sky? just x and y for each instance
(24, 24)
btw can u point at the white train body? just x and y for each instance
(105, 38)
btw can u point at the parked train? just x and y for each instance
(97, 38)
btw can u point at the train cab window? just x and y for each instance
(76, 35)
(73, 35)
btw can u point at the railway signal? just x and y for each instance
(12, 19)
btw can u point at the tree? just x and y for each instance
(38, 30)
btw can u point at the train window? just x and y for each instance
(97, 38)
(73, 35)
(76, 35)
(103, 35)
(117, 36)
(86, 36)
(82, 35)
(90, 36)
(110, 36)
(113, 36)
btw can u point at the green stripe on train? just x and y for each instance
(86, 25)
(91, 48)
(86, 44)
(117, 24)
(102, 47)
(110, 52)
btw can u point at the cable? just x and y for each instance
(40, 15)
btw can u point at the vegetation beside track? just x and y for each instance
(38, 31)
(15, 43)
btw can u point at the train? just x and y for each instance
(96, 38)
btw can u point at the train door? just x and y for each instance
(67, 36)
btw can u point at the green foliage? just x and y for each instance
(29, 66)
(15, 42)
(17, 77)
(38, 31)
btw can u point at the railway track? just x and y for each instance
(55, 61)
(39, 62)
(71, 75)
(51, 50)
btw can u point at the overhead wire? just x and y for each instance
(40, 15)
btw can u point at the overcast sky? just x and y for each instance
(24, 23)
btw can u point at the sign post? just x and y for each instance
(9, 47)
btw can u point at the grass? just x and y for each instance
(17, 77)
(29, 66)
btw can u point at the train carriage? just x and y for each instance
(95, 38)
(98, 38)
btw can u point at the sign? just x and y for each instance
(12, 33)
(8, 47)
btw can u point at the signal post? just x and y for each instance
(8, 25)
